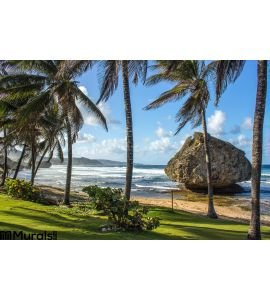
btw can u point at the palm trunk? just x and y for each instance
(211, 210)
(69, 164)
(41, 159)
(33, 163)
(129, 130)
(19, 162)
(5, 167)
(254, 232)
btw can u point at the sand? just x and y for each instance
(226, 207)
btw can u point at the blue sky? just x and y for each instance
(153, 130)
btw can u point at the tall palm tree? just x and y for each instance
(53, 136)
(191, 79)
(2, 116)
(254, 230)
(54, 82)
(19, 163)
(226, 73)
(110, 71)
(5, 157)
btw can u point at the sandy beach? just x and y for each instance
(227, 207)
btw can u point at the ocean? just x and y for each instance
(148, 181)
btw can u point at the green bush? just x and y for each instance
(101, 198)
(21, 189)
(122, 214)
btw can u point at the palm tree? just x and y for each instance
(16, 172)
(227, 72)
(110, 71)
(2, 115)
(53, 135)
(5, 166)
(54, 82)
(191, 80)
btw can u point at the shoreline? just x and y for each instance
(227, 207)
(229, 212)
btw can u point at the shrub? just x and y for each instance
(122, 214)
(21, 189)
(101, 198)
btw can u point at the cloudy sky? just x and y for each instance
(154, 138)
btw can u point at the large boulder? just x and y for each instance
(188, 166)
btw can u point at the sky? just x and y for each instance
(154, 139)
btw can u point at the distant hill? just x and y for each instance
(83, 161)
(76, 161)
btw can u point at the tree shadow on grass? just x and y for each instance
(79, 227)
(208, 233)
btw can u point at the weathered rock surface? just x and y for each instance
(188, 166)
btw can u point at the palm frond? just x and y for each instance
(60, 153)
(227, 71)
(108, 76)
(91, 107)
(138, 70)
(173, 94)
(73, 68)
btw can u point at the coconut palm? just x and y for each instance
(54, 82)
(228, 72)
(19, 163)
(5, 156)
(191, 83)
(110, 71)
(31, 132)
(53, 136)
(3, 127)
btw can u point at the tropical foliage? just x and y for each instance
(191, 84)
(110, 71)
(122, 213)
(39, 115)
(21, 189)
(38, 91)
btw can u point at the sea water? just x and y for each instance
(148, 181)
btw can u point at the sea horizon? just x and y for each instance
(148, 180)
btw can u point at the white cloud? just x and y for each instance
(161, 132)
(162, 145)
(241, 141)
(89, 118)
(115, 145)
(216, 123)
(247, 123)
(107, 148)
(86, 137)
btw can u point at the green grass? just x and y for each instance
(71, 223)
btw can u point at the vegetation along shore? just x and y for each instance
(43, 109)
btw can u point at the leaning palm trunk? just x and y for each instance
(19, 162)
(129, 129)
(211, 210)
(69, 163)
(41, 159)
(33, 163)
(5, 167)
(254, 232)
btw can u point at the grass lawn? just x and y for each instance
(72, 223)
